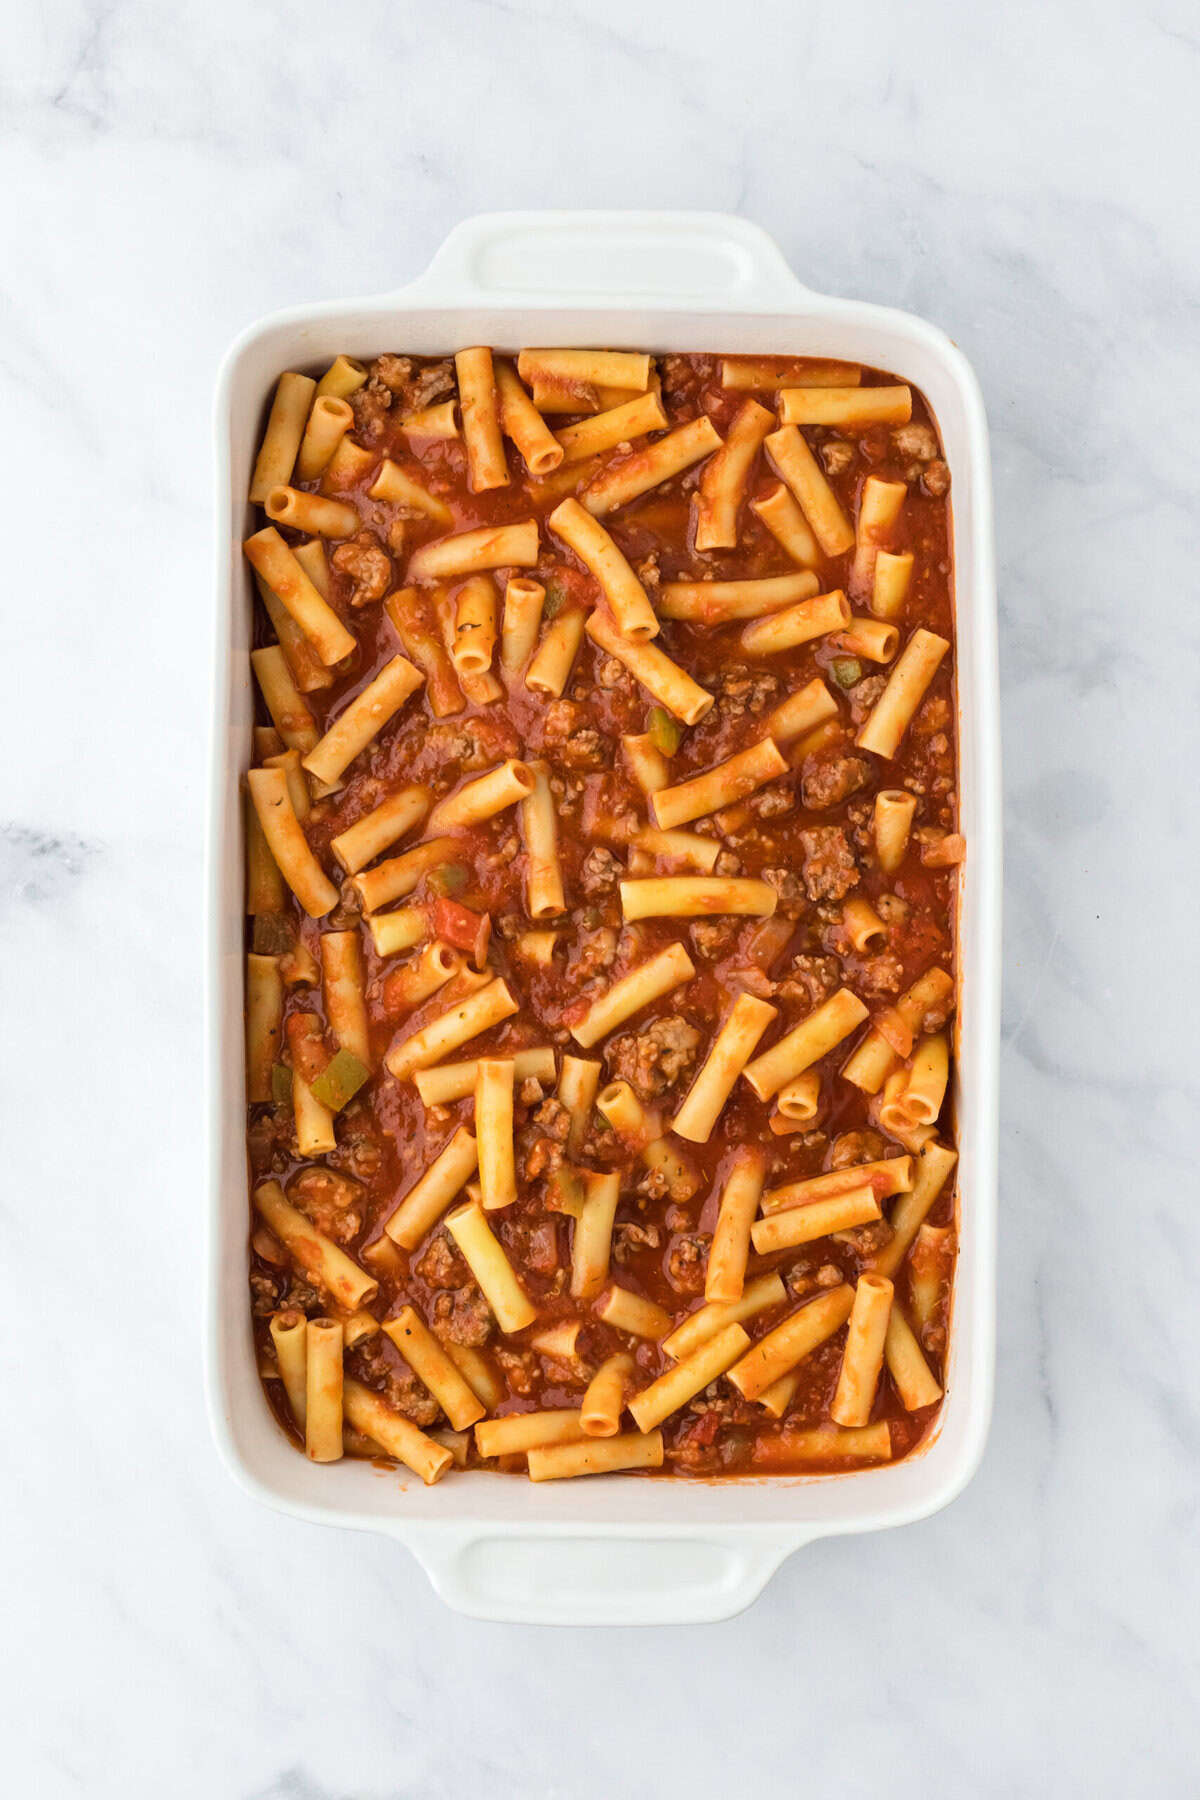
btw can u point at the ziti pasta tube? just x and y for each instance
(725, 1277)
(523, 602)
(879, 508)
(815, 1219)
(344, 376)
(464, 1020)
(454, 1081)
(287, 706)
(697, 897)
(905, 690)
(281, 441)
(323, 1391)
(596, 368)
(640, 987)
(862, 1358)
(673, 1389)
(630, 476)
(289, 1336)
(626, 1311)
(328, 423)
(292, 587)
(484, 1256)
(723, 481)
(264, 1024)
(379, 829)
(361, 722)
(598, 1456)
(494, 1131)
(778, 1353)
(845, 406)
(484, 797)
(728, 1055)
(910, 1373)
(783, 518)
(934, 1163)
(311, 513)
(478, 404)
(806, 1044)
(797, 624)
(320, 1258)
(518, 1433)
(396, 1436)
(432, 1366)
(892, 1175)
(730, 781)
(468, 552)
(544, 897)
(719, 602)
(604, 1402)
(397, 486)
(757, 1296)
(591, 1243)
(619, 425)
(288, 844)
(795, 464)
(435, 1191)
(662, 679)
(344, 985)
(521, 421)
(598, 552)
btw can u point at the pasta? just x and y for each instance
(555, 828)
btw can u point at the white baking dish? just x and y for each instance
(615, 1549)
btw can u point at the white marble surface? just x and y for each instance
(1025, 176)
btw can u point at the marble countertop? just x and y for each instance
(1025, 178)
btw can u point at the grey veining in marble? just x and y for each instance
(1026, 177)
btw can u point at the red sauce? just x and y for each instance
(386, 1138)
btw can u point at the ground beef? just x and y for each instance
(787, 886)
(600, 872)
(359, 1150)
(810, 980)
(429, 384)
(540, 1251)
(715, 937)
(554, 1119)
(687, 1260)
(746, 690)
(519, 1367)
(879, 975)
(935, 1016)
(653, 1060)
(837, 456)
(863, 696)
(442, 1266)
(827, 781)
(333, 1202)
(773, 802)
(648, 572)
(917, 441)
(936, 479)
(629, 1238)
(828, 1275)
(830, 870)
(585, 749)
(392, 371)
(265, 1292)
(303, 1296)
(364, 559)
(854, 1147)
(597, 952)
(463, 1316)
(370, 406)
(611, 673)
(397, 536)
(728, 864)
(869, 1240)
(892, 909)
(455, 745)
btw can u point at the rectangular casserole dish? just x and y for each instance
(611, 1550)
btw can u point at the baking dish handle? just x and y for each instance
(580, 1578)
(541, 259)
